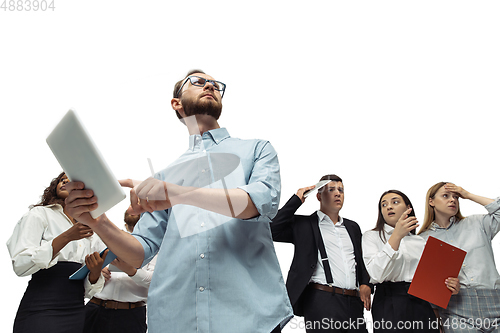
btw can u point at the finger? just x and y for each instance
(71, 186)
(146, 205)
(89, 260)
(145, 189)
(453, 290)
(81, 206)
(83, 227)
(75, 197)
(135, 208)
(410, 219)
(413, 227)
(144, 193)
(131, 183)
(78, 193)
(366, 303)
(157, 197)
(105, 254)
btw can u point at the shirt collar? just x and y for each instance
(388, 229)
(216, 135)
(55, 206)
(322, 216)
(434, 226)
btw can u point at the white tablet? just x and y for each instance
(81, 161)
(317, 187)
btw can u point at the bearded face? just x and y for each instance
(207, 102)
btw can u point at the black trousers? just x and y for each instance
(329, 312)
(98, 319)
(394, 310)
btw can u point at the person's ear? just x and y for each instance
(177, 106)
(431, 202)
(318, 195)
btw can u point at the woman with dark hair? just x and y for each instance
(50, 245)
(391, 252)
(477, 307)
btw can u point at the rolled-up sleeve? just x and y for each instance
(491, 221)
(149, 231)
(28, 251)
(264, 184)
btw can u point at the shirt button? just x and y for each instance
(202, 289)
(202, 224)
(203, 171)
(472, 279)
(202, 256)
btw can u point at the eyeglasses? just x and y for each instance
(200, 82)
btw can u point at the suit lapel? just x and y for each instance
(313, 219)
(350, 231)
(352, 234)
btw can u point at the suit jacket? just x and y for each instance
(303, 232)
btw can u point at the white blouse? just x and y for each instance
(30, 245)
(385, 264)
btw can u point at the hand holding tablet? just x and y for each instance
(317, 187)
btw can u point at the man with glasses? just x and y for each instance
(207, 216)
(327, 283)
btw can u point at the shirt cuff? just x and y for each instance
(142, 278)
(42, 257)
(265, 198)
(92, 289)
(387, 249)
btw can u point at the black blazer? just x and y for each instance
(303, 232)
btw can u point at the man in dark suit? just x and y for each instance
(327, 283)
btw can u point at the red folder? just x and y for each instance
(439, 261)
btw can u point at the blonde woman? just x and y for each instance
(477, 307)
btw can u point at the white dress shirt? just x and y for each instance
(123, 288)
(340, 252)
(30, 245)
(384, 263)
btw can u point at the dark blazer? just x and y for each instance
(303, 232)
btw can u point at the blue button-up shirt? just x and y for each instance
(215, 273)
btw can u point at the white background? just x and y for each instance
(386, 94)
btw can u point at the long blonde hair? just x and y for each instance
(430, 216)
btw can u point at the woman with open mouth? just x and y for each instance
(391, 252)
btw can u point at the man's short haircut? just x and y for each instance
(179, 84)
(331, 177)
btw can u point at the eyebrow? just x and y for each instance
(390, 199)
